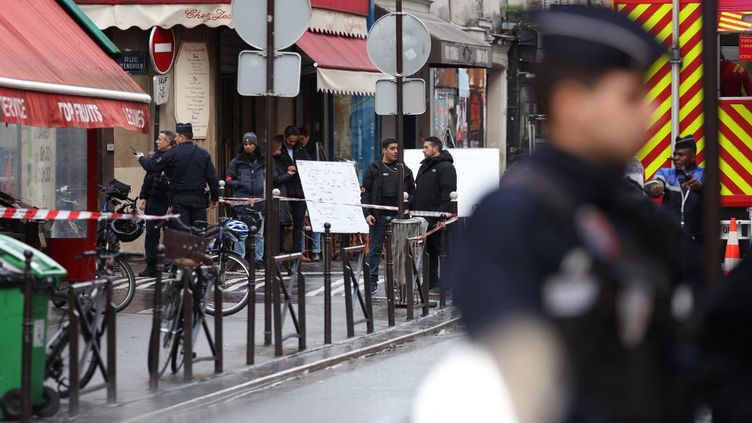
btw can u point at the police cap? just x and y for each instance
(595, 37)
(184, 128)
(687, 141)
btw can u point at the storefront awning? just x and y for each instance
(339, 17)
(54, 75)
(450, 45)
(342, 64)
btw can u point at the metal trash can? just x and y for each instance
(47, 273)
(402, 230)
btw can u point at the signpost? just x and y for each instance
(162, 53)
(412, 45)
(263, 25)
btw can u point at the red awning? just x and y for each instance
(53, 75)
(335, 52)
(342, 64)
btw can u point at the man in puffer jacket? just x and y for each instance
(245, 175)
(436, 179)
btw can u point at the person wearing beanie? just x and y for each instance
(246, 176)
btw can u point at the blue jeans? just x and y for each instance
(377, 233)
(316, 237)
(259, 241)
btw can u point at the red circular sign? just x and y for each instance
(162, 49)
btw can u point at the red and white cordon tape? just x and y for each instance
(41, 214)
(237, 201)
(435, 229)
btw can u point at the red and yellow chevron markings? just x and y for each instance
(734, 21)
(736, 147)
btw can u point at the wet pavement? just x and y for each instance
(133, 331)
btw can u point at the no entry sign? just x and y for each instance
(162, 49)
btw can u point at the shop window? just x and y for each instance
(459, 106)
(354, 130)
(46, 168)
(735, 60)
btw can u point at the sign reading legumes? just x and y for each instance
(193, 87)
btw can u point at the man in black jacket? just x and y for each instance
(381, 187)
(292, 151)
(153, 201)
(436, 179)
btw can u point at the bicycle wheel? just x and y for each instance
(124, 284)
(171, 315)
(233, 281)
(57, 363)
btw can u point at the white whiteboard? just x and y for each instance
(332, 182)
(477, 174)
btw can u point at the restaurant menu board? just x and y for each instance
(193, 87)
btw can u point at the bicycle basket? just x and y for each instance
(118, 189)
(184, 248)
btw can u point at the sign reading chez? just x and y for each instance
(192, 87)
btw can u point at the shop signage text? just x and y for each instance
(77, 112)
(464, 54)
(13, 107)
(745, 48)
(204, 17)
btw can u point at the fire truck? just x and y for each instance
(675, 88)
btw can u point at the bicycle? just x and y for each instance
(233, 269)
(200, 272)
(109, 235)
(90, 306)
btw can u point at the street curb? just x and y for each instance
(266, 381)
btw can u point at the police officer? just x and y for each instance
(564, 244)
(153, 201)
(189, 169)
(681, 187)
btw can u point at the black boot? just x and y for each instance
(149, 272)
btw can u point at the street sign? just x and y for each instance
(382, 44)
(291, 18)
(133, 62)
(252, 74)
(161, 91)
(162, 49)
(413, 96)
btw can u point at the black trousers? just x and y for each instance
(156, 206)
(190, 206)
(433, 245)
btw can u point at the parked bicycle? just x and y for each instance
(200, 272)
(90, 305)
(109, 235)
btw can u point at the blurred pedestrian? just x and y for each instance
(246, 175)
(311, 147)
(565, 245)
(381, 187)
(153, 201)
(436, 180)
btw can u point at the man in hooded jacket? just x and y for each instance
(436, 179)
(245, 175)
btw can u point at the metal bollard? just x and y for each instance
(187, 325)
(348, 284)
(73, 328)
(272, 246)
(409, 284)
(250, 353)
(109, 318)
(389, 272)
(443, 264)
(218, 305)
(426, 280)
(28, 327)
(301, 311)
(156, 323)
(327, 283)
(276, 299)
(367, 291)
(221, 209)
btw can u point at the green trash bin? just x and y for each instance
(47, 273)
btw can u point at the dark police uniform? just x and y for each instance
(566, 241)
(189, 169)
(154, 191)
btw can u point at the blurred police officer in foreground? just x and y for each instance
(153, 201)
(189, 169)
(565, 244)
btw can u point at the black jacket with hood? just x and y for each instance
(436, 179)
